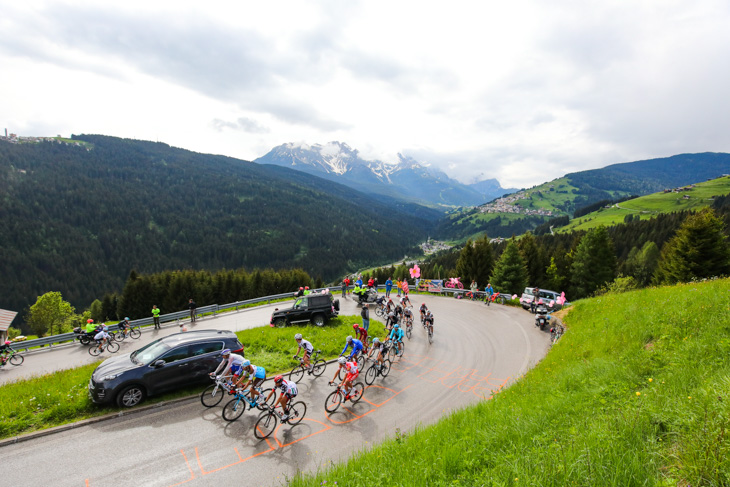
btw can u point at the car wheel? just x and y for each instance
(318, 320)
(130, 396)
(280, 322)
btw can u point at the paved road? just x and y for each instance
(74, 354)
(476, 350)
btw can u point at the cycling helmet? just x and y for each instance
(342, 360)
(397, 326)
(355, 326)
(246, 363)
(298, 336)
(349, 339)
(126, 318)
(226, 351)
(306, 287)
(278, 379)
(376, 340)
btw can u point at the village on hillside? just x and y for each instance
(507, 204)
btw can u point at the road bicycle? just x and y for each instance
(382, 310)
(338, 396)
(266, 424)
(430, 334)
(409, 326)
(130, 332)
(213, 394)
(377, 369)
(236, 406)
(360, 358)
(316, 367)
(110, 345)
(395, 349)
(13, 357)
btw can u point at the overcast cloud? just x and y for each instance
(523, 91)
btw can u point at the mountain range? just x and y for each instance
(406, 179)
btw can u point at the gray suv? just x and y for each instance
(549, 298)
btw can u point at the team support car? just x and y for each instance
(314, 307)
(169, 363)
(548, 298)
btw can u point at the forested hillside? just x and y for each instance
(78, 221)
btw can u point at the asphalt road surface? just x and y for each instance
(476, 350)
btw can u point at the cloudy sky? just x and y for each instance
(524, 91)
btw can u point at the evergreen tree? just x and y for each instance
(465, 265)
(594, 263)
(533, 259)
(484, 260)
(698, 250)
(96, 311)
(510, 272)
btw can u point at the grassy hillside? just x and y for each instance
(637, 392)
(646, 207)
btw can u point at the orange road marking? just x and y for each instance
(326, 427)
(192, 473)
(240, 460)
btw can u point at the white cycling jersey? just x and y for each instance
(101, 335)
(288, 387)
(233, 359)
(306, 346)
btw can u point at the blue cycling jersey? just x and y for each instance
(396, 334)
(356, 347)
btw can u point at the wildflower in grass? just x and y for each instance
(638, 393)
(650, 379)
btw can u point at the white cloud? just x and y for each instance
(523, 91)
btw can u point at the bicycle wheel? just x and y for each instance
(270, 402)
(391, 353)
(212, 395)
(430, 336)
(319, 367)
(370, 374)
(135, 333)
(297, 373)
(356, 392)
(265, 425)
(385, 369)
(333, 401)
(234, 409)
(112, 347)
(16, 359)
(408, 332)
(401, 348)
(118, 336)
(379, 312)
(94, 351)
(296, 413)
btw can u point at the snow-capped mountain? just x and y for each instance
(406, 179)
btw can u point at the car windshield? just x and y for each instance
(148, 353)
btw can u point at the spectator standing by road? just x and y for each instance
(399, 285)
(404, 286)
(535, 297)
(365, 315)
(156, 316)
(388, 287)
(344, 287)
(371, 282)
(473, 288)
(192, 306)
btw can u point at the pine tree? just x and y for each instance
(510, 272)
(698, 250)
(594, 263)
(533, 259)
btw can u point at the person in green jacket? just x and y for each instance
(90, 326)
(156, 316)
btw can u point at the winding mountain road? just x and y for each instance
(476, 350)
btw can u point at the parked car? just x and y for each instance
(315, 307)
(549, 298)
(166, 364)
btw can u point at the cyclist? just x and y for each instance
(428, 321)
(355, 344)
(5, 351)
(392, 320)
(408, 315)
(390, 306)
(308, 349)
(352, 373)
(288, 392)
(362, 335)
(423, 309)
(124, 326)
(256, 376)
(396, 335)
(380, 348)
(232, 362)
(399, 312)
(101, 337)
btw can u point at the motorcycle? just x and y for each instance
(542, 317)
(370, 295)
(83, 336)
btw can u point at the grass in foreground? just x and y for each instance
(61, 397)
(637, 392)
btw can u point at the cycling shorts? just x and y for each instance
(290, 395)
(350, 377)
(237, 369)
(256, 381)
